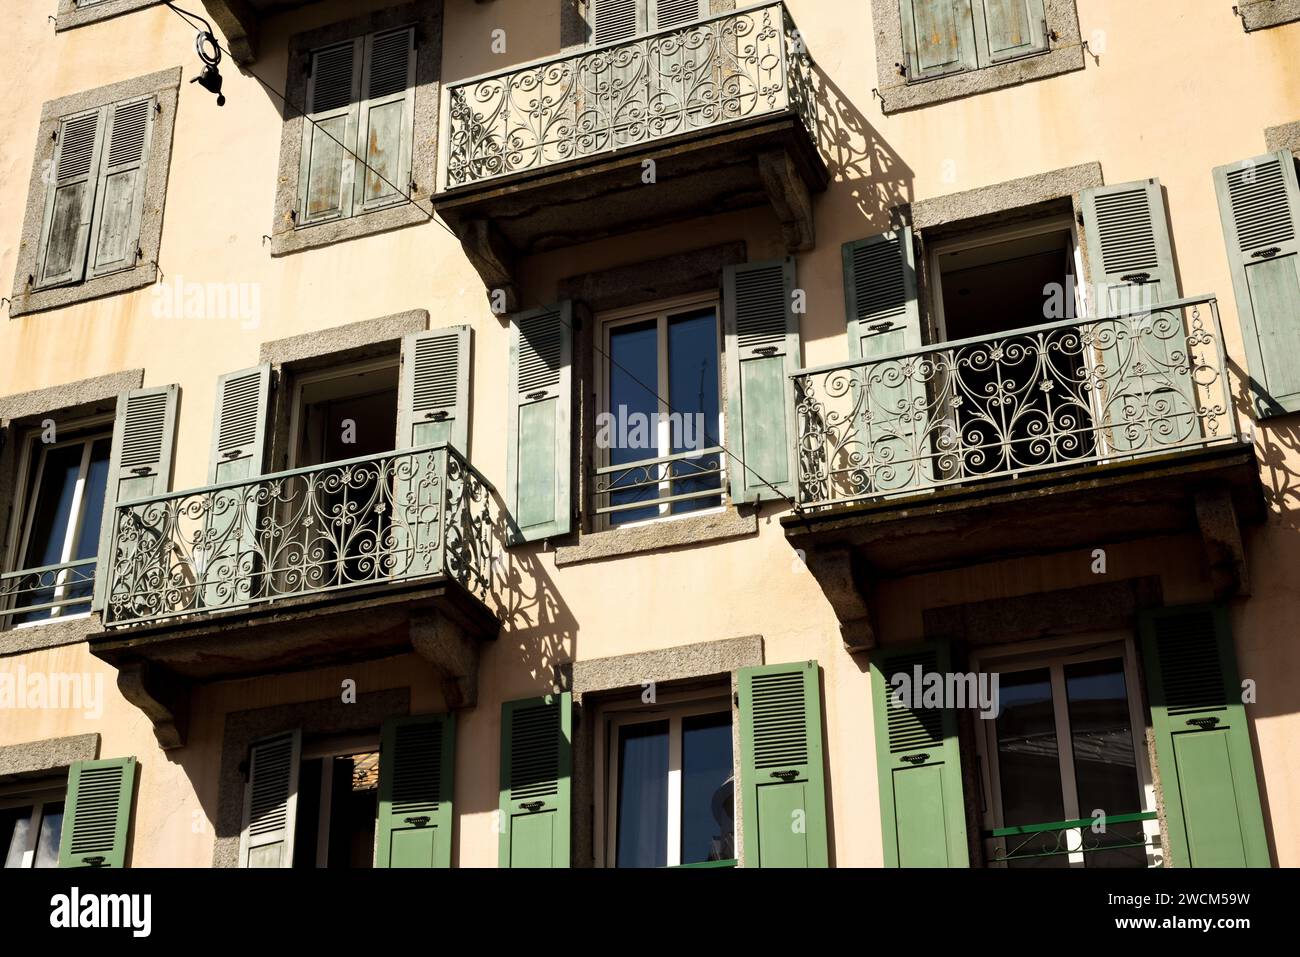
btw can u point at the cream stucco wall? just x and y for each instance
(1179, 89)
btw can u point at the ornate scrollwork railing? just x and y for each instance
(721, 69)
(390, 518)
(35, 594)
(1051, 396)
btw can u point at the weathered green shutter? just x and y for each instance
(97, 813)
(536, 763)
(938, 37)
(1129, 253)
(70, 199)
(1259, 202)
(271, 801)
(880, 294)
(615, 20)
(327, 174)
(140, 464)
(386, 119)
(119, 199)
(239, 426)
(415, 791)
(918, 764)
(539, 465)
(433, 405)
(763, 351)
(783, 792)
(668, 14)
(1203, 752)
(1006, 29)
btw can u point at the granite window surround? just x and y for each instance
(165, 85)
(286, 236)
(1262, 14)
(1065, 54)
(78, 13)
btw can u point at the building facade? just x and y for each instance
(650, 433)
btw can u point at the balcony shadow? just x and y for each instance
(1278, 447)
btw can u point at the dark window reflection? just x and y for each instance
(708, 808)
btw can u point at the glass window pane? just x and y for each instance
(1105, 765)
(708, 806)
(15, 825)
(633, 403)
(1028, 768)
(51, 510)
(642, 839)
(81, 584)
(693, 392)
(47, 844)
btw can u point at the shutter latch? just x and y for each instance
(1266, 253)
(231, 455)
(880, 327)
(1205, 724)
(437, 416)
(786, 776)
(532, 807)
(417, 821)
(142, 471)
(536, 396)
(765, 351)
(915, 758)
(93, 861)
(1137, 277)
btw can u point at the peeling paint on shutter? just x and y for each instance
(70, 200)
(1007, 29)
(327, 174)
(119, 199)
(938, 37)
(387, 119)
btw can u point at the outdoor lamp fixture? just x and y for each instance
(205, 43)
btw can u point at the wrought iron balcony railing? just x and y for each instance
(384, 519)
(39, 594)
(722, 69)
(1126, 840)
(1047, 397)
(650, 488)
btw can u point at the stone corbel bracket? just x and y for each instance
(162, 696)
(843, 577)
(1221, 535)
(454, 654)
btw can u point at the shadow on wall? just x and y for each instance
(1277, 443)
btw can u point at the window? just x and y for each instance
(1067, 750)
(658, 450)
(64, 487)
(338, 799)
(669, 785)
(344, 413)
(31, 825)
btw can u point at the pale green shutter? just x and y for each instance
(880, 295)
(433, 404)
(239, 427)
(140, 466)
(615, 20)
(536, 763)
(668, 14)
(327, 174)
(1205, 761)
(1006, 29)
(415, 791)
(1130, 256)
(271, 801)
(539, 465)
(73, 177)
(763, 351)
(97, 813)
(1259, 202)
(938, 37)
(119, 200)
(386, 119)
(783, 791)
(918, 764)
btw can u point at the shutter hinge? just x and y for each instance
(901, 68)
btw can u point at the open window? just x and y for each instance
(338, 801)
(344, 413)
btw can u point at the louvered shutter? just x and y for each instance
(918, 764)
(615, 20)
(1147, 395)
(239, 427)
(938, 37)
(880, 295)
(536, 763)
(1203, 751)
(97, 813)
(386, 119)
(668, 14)
(1006, 29)
(140, 466)
(415, 791)
(433, 406)
(1259, 202)
(70, 199)
(119, 200)
(271, 801)
(327, 175)
(762, 341)
(783, 791)
(539, 463)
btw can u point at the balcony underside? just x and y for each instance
(742, 165)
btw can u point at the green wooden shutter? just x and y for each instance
(239, 426)
(1006, 29)
(539, 465)
(918, 765)
(97, 813)
(1129, 253)
(433, 405)
(668, 14)
(415, 791)
(783, 792)
(763, 351)
(386, 119)
(1259, 202)
(140, 464)
(1206, 764)
(327, 174)
(271, 801)
(615, 20)
(938, 37)
(70, 199)
(536, 763)
(119, 199)
(880, 294)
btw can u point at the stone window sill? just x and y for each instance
(910, 96)
(1262, 14)
(657, 536)
(50, 634)
(71, 16)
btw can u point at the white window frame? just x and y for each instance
(1054, 655)
(614, 716)
(334, 374)
(37, 800)
(661, 312)
(327, 750)
(31, 471)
